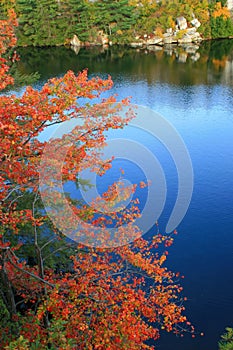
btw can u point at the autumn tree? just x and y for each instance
(221, 23)
(56, 293)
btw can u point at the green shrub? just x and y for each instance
(226, 342)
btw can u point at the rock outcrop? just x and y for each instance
(184, 33)
(195, 23)
(181, 22)
(153, 40)
(75, 41)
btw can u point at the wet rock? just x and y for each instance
(156, 40)
(185, 40)
(169, 39)
(136, 44)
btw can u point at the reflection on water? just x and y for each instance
(209, 63)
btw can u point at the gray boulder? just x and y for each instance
(136, 44)
(75, 41)
(191, 31)
(181, 23)
(185, 40)
(195, 23)
(167, 39)
(156, 40)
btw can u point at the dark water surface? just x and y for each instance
(194, 92)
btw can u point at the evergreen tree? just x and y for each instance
(26, 11)
(115, 17)
(221, 27)
(46, 21)
(80, 19)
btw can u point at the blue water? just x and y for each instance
(202, 113)
(203, 250)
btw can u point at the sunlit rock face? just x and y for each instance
(230, 4)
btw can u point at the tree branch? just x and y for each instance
(29, 273)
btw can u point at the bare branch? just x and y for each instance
(55, 251)
(29, 273)
(14, 189)
(47, 243)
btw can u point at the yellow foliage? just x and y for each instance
(221, 11)
(119, 32)
(159, 32)
(171, 23)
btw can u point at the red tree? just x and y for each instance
(115, 298)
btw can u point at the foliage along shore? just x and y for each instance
(99, 22)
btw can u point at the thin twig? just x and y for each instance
(29, 273)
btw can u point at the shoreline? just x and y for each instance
(130, 46)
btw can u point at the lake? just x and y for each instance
(193, 90)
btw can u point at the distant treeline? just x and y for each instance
(54, 22)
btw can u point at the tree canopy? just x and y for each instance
(53, 22)
(56, 293)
